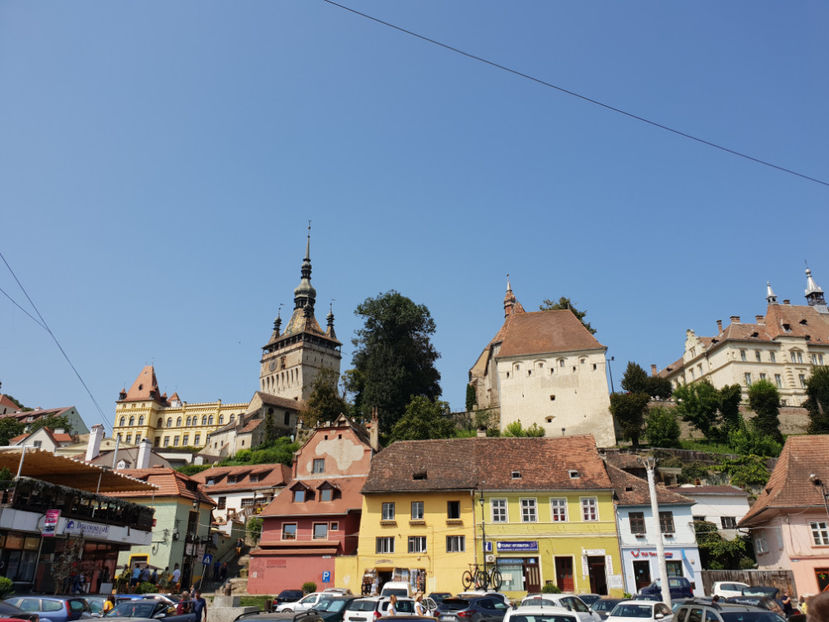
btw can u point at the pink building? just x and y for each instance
(317, 515)
(789, 522)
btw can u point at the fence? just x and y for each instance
(781, 579)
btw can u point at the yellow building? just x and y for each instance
(543, 505)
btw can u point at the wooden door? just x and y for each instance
(532, 576)
(564, 574)
(642, 574)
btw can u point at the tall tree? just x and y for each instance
(698, 404)
(764, 400)
(566, 303)
(394, 359)
(53, 423)
(324, 403)
(629, 411)
(730, 397)
(662, 427)
(817, 388)
(635, 379)
(423, 418)
(9, 428)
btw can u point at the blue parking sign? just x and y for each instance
(326, 576)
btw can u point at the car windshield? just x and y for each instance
(538, 601)
(361, 605)
(546, 617)
(604, 605)
(132, 609)
(331, 604)
(631, 611)
(750, 616)
(454, 604)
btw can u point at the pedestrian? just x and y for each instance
(176, 578)
(392, 610)
(223, 572)
(136, 576)
(199, 607)
(715, 599)
(145, 574)
(184, 604)
(109, 604)
(239, 544)
(420, 610)
(154, 576)
(786, 601)
(375, 584)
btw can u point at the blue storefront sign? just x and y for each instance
(517, 546)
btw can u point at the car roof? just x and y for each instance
(642, 601)
(541, 610)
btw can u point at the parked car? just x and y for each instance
(273, 616)
(304, 604)
(727, 589)
(439, 596)
(769, 591)
(472, 609)
(489, 593)
(679, 587)
(370, 608)
(604, 606)
(147, 609)
(641, 610)
(332, 608)
(398, 588)
(541, 614)
(10, 611)
(589, 599)
(570, 602)
(52, 608)
(724, 612)
(763, 602)
(287, 596)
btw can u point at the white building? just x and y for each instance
(545, 368)
(781, 346)
(638, 531)
(724, 506)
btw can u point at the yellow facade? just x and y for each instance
(532, 549)
(431, 567)
(178, 425)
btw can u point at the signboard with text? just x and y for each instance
(517, 546)
(50, 523)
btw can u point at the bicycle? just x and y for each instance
(481, 579)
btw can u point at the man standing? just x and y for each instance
(176, 578)
(199, 607)
(136, 575)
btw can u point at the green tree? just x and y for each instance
(192, 469)
(662, 427)
(566, 303)
(280, 451)
(271, 433)
(747, 439)
(698, 404)
(422, 419)
(471, 398)
(817, 403)
(717, 553)
(394, 358)
(52, 422)
(745, 471)
(635, 379)
(254, 528)
(659, 387)
(516, 429)
(9, 428)
(629, 412)
(324, 402)
(730, 397)
(764, 400)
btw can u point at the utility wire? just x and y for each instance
(54, 338)
(596, 102)
(15, 303)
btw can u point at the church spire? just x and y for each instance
(330, 320)
(814, 293)
(305, 295)
(509, 299)
(771, 298)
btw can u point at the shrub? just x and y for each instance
(6, 587)
(308, 587)
(662, 428)
(550, 588)
(254, 528)
(749, 439)
(145, 587)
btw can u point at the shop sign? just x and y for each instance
(640, 553)
(517, 546)
(86, 529)
(50, 523)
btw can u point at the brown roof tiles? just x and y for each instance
(542, 332)
(265, 476)
(170, 483)
(632, 490)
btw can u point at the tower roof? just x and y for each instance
(771, 297)
(144, 388)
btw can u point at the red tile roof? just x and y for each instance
(493, 463)
(250, 426)
(632, 490)
(170, 483)
(267, 476)
(282, 402)
(789, 486)
(5, 401)
(349, 499)
(144, 388)
(543, 332)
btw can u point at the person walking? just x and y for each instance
(392, 610)
(199, 607)
(184, 604)
(786, 601)
(176, 578)
(419, 609)
(109, 604)
(136, 576)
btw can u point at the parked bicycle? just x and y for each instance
(481, 579)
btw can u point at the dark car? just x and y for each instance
(589, 599)
(279, 616)
(723, 612)
(149, 609)
(604, 606)
(679, 587)
(763, 602)
(475, 609)
(332, 609)
(438, 597)
(52, 608)
(10, 611)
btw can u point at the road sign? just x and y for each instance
(326, 576)
(207, 559)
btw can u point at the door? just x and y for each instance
(532, 575)
(641, 574)
(598, 578)
(822, 576)
(564, 574)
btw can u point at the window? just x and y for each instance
(802, 379)
(169, 422)
(388, 511)
(185, 439)
(197, 440)
(417, 544)
(204, 420)
(797, 357)
(221, 419)
(248, 502)
(455, 544)
(166, 441)
(132, 420)
(589, 509)
(558, 510)
(320, 531)
(299, 496)
(778, 380)
(666, 522)
(187, 421)
(417, 510)
(742, 355)
(820, 533)
(289, 531)
(384, 545)
(221, 503)
(123, 421)
(141, 420)
(319, 465)
(326, 494)
(335, 526)
(128, 440)
(453, 510)
(528, 511)
(762, 376)
(760, 545)
(39, 444)
(175, 441)
(728, 522)
(637, 522)
(772, 357)
(178, 422)
(210, 420)
(748, 378)
(757, 355)
(499, 510)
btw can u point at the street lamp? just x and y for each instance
(823, 491)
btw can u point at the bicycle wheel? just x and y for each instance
(467, 579)
(481, 580)
(495, 579)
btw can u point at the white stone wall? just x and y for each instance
(714, 507)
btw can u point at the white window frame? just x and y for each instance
(455, 544)
(586, 503)
(558, 507)
(417, 510)
(289, 525)
(384, 544)
(318, 462)
(417, 544)
(314, 531)
(820, 532)
(387, 510)
(498, 510)
(529, 505)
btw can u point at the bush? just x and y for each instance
(254, 528)
(6, 587)
(662, 428)
(748, 439)
(308, 587)
(146, 587)
(550, 588)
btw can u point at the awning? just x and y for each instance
(40, 464)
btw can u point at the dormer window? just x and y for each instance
(574, 474)
(299, 496)
(787, 328)
(516, 475)
(419, 475)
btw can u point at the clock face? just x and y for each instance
(272, 366)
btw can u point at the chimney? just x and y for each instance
(759, 318)
(719, 327)
(93, 447)
(735, 319)
(144, 450)
(375, 430)
(786, 301)
(653, 370)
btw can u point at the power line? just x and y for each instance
(54, 338)
(15, 303)
(585, 98)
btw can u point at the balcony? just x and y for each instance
(34, 495)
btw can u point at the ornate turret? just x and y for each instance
(814, 293)
(509, 299)
(330, 320)
(305, 294)
(277, 324)
(771, 298)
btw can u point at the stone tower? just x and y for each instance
(293, 358)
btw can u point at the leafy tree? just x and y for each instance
(9, 428)
(324, 403)
(471, 398)
(717, 553)
(394, 358)
(6, 587)
(516, 429)
(52, 422)
(764, 400)
(635, 379)
(747, 439)
(565, 303)
(745, 471)
(280, 451)
(192, 469)
(254, 528)
(659, 387)
(730, 397)
(629, 411)
(698, 404)
(817, 388)
(423, 418)
(270, 428)
(693, 472)
(662, 427)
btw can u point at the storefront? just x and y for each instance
(519, 568)
(374, 578)
(641, 567)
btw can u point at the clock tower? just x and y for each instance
(292, 358)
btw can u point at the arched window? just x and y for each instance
(169, 422)
(188, 421)
(160, 422)
(178, 422)
(195, 421)
(232, 418)
(141, 420)
(210, 420)
(123, 421)
(204, 420)
(132, 420)
(221, 419)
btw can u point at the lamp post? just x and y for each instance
(610, 370)
(483, 530)
(650, 464)
(823, 491)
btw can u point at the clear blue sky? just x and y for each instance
(159, 160)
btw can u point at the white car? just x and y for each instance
(728, 589)
(541, 614)
(570, 602)
(370, 608)
(304, 604)
(639, 611)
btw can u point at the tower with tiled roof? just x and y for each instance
(814, 293)
(292, 358)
